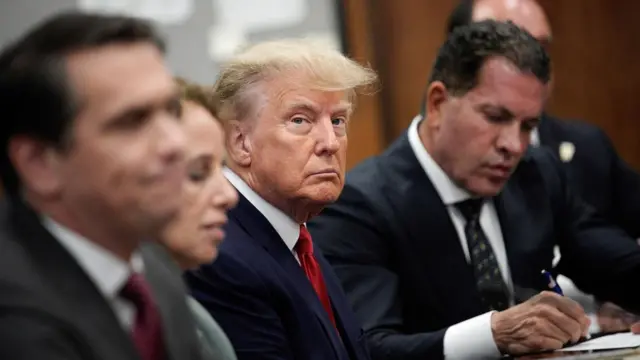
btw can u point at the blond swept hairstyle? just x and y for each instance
(325, 69)
(197, 94)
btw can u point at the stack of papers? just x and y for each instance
(607, 342)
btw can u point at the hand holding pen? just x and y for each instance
(553, 285)
(547, 321)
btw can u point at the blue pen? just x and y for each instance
(551, 283)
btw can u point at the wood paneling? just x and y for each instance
(407, 36)
(595, 52)
(365, 131)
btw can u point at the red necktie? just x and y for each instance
(304, 248)
(147, 329)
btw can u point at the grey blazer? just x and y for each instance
(213, 341)
(52, 310)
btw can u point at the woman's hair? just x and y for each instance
(197, 94)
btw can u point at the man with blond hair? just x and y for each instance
(286, 106)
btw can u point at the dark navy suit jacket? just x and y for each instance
(596, 172)
(393, 245)
(261, 297)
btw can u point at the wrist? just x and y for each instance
(496, 325)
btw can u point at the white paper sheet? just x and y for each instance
(614, 341)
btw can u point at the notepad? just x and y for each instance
(607, 342)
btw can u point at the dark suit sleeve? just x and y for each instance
(599, 257)
(354, 237)
(626, 190)
(29, 337)
(239, 301)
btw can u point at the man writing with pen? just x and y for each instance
(439, 242)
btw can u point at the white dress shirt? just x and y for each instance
(284, 225)
(473, 338)
(108, 272)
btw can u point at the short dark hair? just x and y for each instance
(461, 15)
(460, 59)
(35, 96)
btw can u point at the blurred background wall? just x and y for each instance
(595, 51)
(200, 33)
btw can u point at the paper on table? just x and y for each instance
(614, 341)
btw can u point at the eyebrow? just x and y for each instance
(145, 107)
(504, 112)
(342, 107)
(201, 158)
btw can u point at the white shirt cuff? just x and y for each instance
(471, 339)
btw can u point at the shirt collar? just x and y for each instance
(449, 192)
(106, 270)
(284, 225)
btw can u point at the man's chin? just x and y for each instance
(487, 188)
(157, 222)
(324, 193)
(318, 196)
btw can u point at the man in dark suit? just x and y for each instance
(91, 163)
(440, 241)
(594, 169)
(286, 105)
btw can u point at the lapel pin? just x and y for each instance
(566, 151)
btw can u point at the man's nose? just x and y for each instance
(513, 140)
(170, 139)
(327, 139)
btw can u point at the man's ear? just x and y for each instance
(436, 97)
(238, 142)
(38, 165)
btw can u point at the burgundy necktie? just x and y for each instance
(147, 328)
(304, 248)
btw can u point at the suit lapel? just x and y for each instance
(434, 238)
(521, 214)
(257, 226)
(166, 308)
(345, 319)
(548, 135)
(77, 297)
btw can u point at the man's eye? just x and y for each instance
(495, 118)
(338, 121)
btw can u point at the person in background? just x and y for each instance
(193, 237)
(286, 106)
(595, 171)
(92, 162)
(440, 241)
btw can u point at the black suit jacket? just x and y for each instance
(50, 309)
(261, 297)
(393, 245)
(596, 172)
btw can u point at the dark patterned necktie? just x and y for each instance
(489, 280)
(147, 328)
